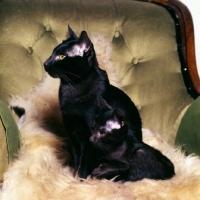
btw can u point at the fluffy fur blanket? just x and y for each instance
(38, 173)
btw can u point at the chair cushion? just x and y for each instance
(9, 138)
(188, 135)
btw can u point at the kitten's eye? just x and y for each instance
(60, 57)
(102, 133)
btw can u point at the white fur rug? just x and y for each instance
(38, 173)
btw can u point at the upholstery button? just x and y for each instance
(117, 34)
(48, 27)
(138, 107)
(135, 61)
(30, 50)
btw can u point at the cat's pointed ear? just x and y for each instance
(117, 115)
(84, 41)
(71, 33)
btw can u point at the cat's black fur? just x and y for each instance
(117, 155)
(84, 93)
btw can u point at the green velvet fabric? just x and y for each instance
(188, 135)
(144, 50)
(9, 138)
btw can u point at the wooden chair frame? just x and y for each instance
(185, 42)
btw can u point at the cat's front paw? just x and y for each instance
(99, 171)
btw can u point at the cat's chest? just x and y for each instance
(74, 93)
(119, 153)
(77, 102)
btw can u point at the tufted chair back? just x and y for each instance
(144, 39)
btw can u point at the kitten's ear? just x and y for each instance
(117, 115)
(71, 33)
(84, 41)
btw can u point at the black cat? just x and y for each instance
(116, 155)
(84, 93)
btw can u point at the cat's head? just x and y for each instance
(109, 129)
(72, 58)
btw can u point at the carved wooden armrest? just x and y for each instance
(185, 42)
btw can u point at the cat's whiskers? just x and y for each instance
(75, 75)
(106, 148)
(109, 148)
(67, 72)
(59, 73)
(101, 146)
(55, 74)
(68, 81)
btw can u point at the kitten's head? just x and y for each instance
(72, 58)
(109, 130)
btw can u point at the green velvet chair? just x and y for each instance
(153, 51)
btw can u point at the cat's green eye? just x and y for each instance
(60, 57)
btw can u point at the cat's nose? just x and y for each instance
(91, 139)
(46, 64)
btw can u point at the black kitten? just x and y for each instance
(116, 155)
(84, 93)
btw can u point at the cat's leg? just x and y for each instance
(83, 141)
(80, 157)
(110, 170)
(71, 133)
(83, 167)
(75, 156)
(148, 162)
(79, 134)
